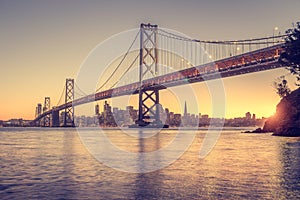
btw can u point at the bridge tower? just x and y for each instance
(149, 106)
(69, 97)
(45, 109)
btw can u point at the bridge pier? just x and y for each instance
(150, 108)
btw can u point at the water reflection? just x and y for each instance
(291, 174)
(147, 184)
(54, 164)
(146, 144)
(108, 148)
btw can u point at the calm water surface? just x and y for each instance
(54, 164)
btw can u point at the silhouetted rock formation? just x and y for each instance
(258, 130)
(286, 121)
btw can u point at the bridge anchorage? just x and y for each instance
(149, 107)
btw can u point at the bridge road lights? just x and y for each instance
(274, 29)
(238, 50)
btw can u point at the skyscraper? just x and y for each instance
(248, 116)
(97, 110)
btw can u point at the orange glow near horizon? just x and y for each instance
(246, 93)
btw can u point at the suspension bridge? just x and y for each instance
(165, 59)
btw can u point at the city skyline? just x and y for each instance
(116, 117)
(110, 116)
(40, 49)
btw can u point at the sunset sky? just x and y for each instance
(44, 42)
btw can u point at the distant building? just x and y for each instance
(171, 120)
(185, 109)
(167, 116)
(204, 120)
(115, 111)
(38, 110)
(107, 115)
(97, 110)
(248, 116)
(133, 114)
(204, 116)
(15, 122)
(177, 119)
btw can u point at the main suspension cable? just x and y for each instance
(236, 42)
(113, 73)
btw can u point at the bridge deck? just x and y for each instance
(255, 61)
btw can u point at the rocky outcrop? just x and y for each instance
(286, 121)
(258, 130)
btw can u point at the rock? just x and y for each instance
(290, 132)
(286, 121)
(258, 130)
(270, 125)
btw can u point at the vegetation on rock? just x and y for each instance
(291, 56)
